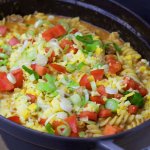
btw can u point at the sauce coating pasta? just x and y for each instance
(69, 78)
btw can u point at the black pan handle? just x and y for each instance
(137, 138)
(108, 145)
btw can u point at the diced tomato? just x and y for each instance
(15, 119)
(51, 58)
(1, 50)
(59, 30)
(74, 134)
(97, 74)
(110, 130)
(110, 58)
(18, 74)
(56, 123)
(101, 90)
(41, 70)
(32, 98)
(58, 68)
(3, 30)
(13, 41)
(143, 91)
(130, 83)
(5, 84)
(97, 99)
(31, 40)
(72, 121)
(104, 113)
(118, 95)
(53, 32)
(47, 49)
(72, 49)
(90, 115)
(65, 43)
(85, 82)
(42, 121)
(74, 31)
(47, 35)
(33, 66)
(115, 67)
(60, 131)
(132, 109)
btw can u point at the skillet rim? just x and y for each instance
(36, 132)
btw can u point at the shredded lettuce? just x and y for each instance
(3, 56)
(71, 67)
(90, 44)
(49, 128)
(64, 24)
(76, 99)
(3, 62)
(88, 39)
(48, 86)
(72, 85)
(31, 72)
(80, 65)
(92, 106)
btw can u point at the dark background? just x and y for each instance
(140, 7)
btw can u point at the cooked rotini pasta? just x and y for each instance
(66, 77)
(124, 120)
(93, 131)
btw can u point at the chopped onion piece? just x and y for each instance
(76, 99)
(41, 104)
(127, 103)
(84, 119)
(54, 44)
(11, 78)
(50, 17)
(66, 105)
(62, 115)
(75, 46)
(86, 94)
(61, 92)
(38, 23)
(94, 93)
(3, 69)
(78, 33)
(49, 118)
(25, 44)
(69, 56)
(14, 68)
(106, 68)
(41, 60)
(93, 85)
(110, 90)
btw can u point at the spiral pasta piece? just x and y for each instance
(143, 72)
(81, 125)
(130, 53)
(93, 131)
(129, 57)
(124, 119)
(114, 38)
(75, 23)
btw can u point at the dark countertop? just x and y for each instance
(140, 7)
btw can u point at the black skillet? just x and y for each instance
(103, 13)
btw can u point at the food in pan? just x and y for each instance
(68, 78)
